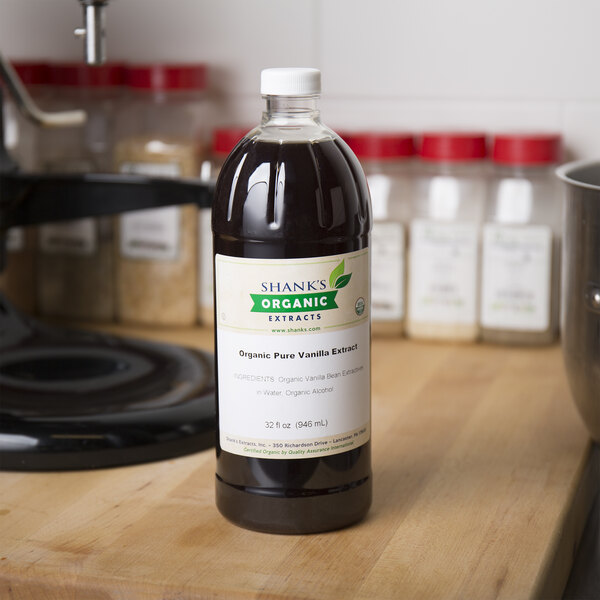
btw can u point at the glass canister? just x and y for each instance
(520, 282)
(75, 262)
(386, 161)
(163, 127)
(17, 280)
(224, 141)
(448, 207)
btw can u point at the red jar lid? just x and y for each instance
(527, 149)
(79, 74)
(165, 77)
(381, 145)
(453, 146)
(226, 138)
(32, 73)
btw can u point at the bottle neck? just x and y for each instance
(296, 108)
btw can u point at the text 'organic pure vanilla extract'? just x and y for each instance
(291, 224)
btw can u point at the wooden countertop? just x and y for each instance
(480, 491)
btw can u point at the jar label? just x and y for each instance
(152, 234)
(15, 239)
(76, 238)
(293, 347)
(516, 277)
(205, 258)
(443, 272)
(387, 271)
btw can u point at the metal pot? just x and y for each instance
(580, 312)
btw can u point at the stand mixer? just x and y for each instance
(78, 400)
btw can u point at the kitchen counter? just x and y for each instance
(482, 485)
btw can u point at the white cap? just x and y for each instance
(292, 81)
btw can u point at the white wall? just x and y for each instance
(408, 64)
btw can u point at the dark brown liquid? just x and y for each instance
(292, 200)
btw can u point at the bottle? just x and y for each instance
(291, 223)
(162, 136)
(520, 281)
(224, 141)
(387, 161)
(448, 210)
(75, 274)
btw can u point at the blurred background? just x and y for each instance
(404, 64)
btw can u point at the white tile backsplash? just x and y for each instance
(405, 64)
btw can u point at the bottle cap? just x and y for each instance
(225, 139)
(292, 81)
(527, 149)
(453, 146)
(381, 145)
(79, 74)
(167, 77)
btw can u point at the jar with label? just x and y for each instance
(386, 160)
(17, 280)
(223, 142)
(76, 260)
(157, 264)
(520, 279)
(448, 207)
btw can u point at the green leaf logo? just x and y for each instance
(337, 279)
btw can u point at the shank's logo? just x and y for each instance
(302, 302)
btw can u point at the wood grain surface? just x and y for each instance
(480, 491)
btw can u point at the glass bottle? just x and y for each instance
(387, 161)
(162, 136)
(224, 141)
(75, 258)
(448, 209)
(520, 281)
(291, 223)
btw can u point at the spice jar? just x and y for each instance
(448, 205)
(521, 241)
(17, 280)
(386, 161)
(76, 262)
(223, 142)
(157, 270)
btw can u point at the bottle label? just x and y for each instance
(76, 238)
(443, 272)
(516, 277)
(387, 283)
(293, 346)
(152, 234)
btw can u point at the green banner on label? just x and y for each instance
(289, 303)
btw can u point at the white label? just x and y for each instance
(443, 272)
(293, 355)
(151, 234)
(516, 277)
(15, 239)
(205, 247)
(387, 271)
(78, 238)
(379, 187)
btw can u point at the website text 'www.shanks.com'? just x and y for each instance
(296, 330)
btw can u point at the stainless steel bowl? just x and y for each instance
(580, 311)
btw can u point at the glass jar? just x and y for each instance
(386, 161)
(520, 281)
(76, 262)
(163, 127)
(223, 142)
(17, 280)
(448, 207)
